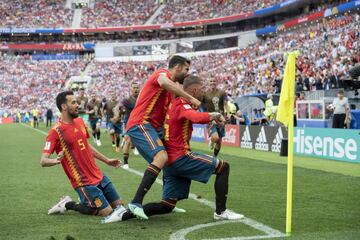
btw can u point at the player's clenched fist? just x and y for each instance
(114, 163)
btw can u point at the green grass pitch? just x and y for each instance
(326, 196)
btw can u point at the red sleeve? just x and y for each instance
(158, 74)
(52, 142)
(187, 112)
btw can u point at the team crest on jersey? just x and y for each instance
(98, 202)
(159, 142)
(76, 130)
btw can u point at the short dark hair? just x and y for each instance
(190, 80)
(61, 98)
(341, 92)
(176, 59)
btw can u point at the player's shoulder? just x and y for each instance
(162, 71)
(182, 102)
(54, 129)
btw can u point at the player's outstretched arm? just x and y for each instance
(217, 117)
(172, 87)
(46, 161)
(111, 162)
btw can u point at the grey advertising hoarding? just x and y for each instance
(263, 138)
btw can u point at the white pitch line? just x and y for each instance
(271, 233)
(180, 235)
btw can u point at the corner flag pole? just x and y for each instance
(289, 190)
(286, 116)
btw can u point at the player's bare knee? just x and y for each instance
(215, 138)
(112, 131)
(160, 159)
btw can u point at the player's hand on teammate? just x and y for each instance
(217, 117)
(114, 162)
(59, 157)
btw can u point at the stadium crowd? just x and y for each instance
(188, 10)
(117, 13)
(37, 13)
(125, 13)
(255, 69)
(27, 85)
(259, 67)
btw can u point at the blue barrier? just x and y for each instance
(43, 57)
(198, 134)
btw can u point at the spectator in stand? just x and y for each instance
(256, 117)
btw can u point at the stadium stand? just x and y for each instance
(181, 11)
(37, 13)
(28, 84)
(117, 13)
(258, 68)
(255, 69)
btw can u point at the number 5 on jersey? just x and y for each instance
(81, 144)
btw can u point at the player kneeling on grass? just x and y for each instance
(183, 165)
(69, 139)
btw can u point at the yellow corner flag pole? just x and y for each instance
(286, 116)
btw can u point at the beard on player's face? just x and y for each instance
(73, 115)
(73, 112)
(180, 77)
(182, 73)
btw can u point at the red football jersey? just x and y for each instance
(178, 127)
(78, 162)
(151, 104)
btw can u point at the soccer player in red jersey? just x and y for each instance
(146, 121)
(69, 139)
(184, 165)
